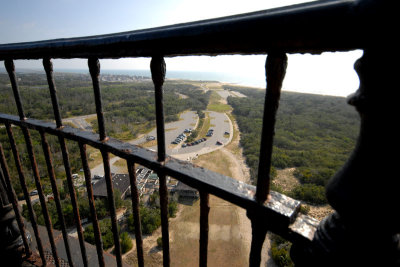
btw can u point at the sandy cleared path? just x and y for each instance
(229, 227)
(240, 172)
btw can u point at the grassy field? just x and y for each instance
(216, 103)
(205, 126)
(219, 107)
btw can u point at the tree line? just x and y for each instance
(129, 107)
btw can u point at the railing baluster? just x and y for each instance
(158, 69)
(50, 170)
(13, 199)
(111, 201)
(11, 71)
(275, 72)
(42, 199)
(135, 211)
(48, 67)
(89, 188)
(22, 181)
(49, 73)
(258, 233)
(204, 210)
(9, 64)
(72, 195)
(94, 69)
(164, 218)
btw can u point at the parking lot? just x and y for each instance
(220, 123)
(188, 119)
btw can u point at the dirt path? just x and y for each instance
(286, 179)
(241, 172)
(229, 227)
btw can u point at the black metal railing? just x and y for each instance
(346, 25)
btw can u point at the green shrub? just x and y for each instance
(172, 209)
(313, 194)
(126, 242)
(159, 242)
(149, 218)
(280, 251)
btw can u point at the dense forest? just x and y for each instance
(313, 133)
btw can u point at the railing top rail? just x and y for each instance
(313, 27)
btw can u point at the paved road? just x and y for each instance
(99, 169)
(80, 121)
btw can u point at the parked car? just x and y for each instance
(184, 145)
(33, 193)
(219, 143)
(150, 138)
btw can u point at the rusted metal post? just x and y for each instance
(10, 67)
(94, 69)
(22, 181)
(52, 177)
(42, 199)
(158, 71)
(111, 203)
(275, 70)
(135, 210)
(48, 67)
(74, 202)
(89, 188)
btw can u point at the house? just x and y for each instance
(120, 182)
(185, 191)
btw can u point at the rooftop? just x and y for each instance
(120, 182)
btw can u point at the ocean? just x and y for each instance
(187, 75)
(245, 80)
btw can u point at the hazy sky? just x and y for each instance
(23, 21)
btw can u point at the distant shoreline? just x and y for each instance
(228, 78)
(223, 78)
